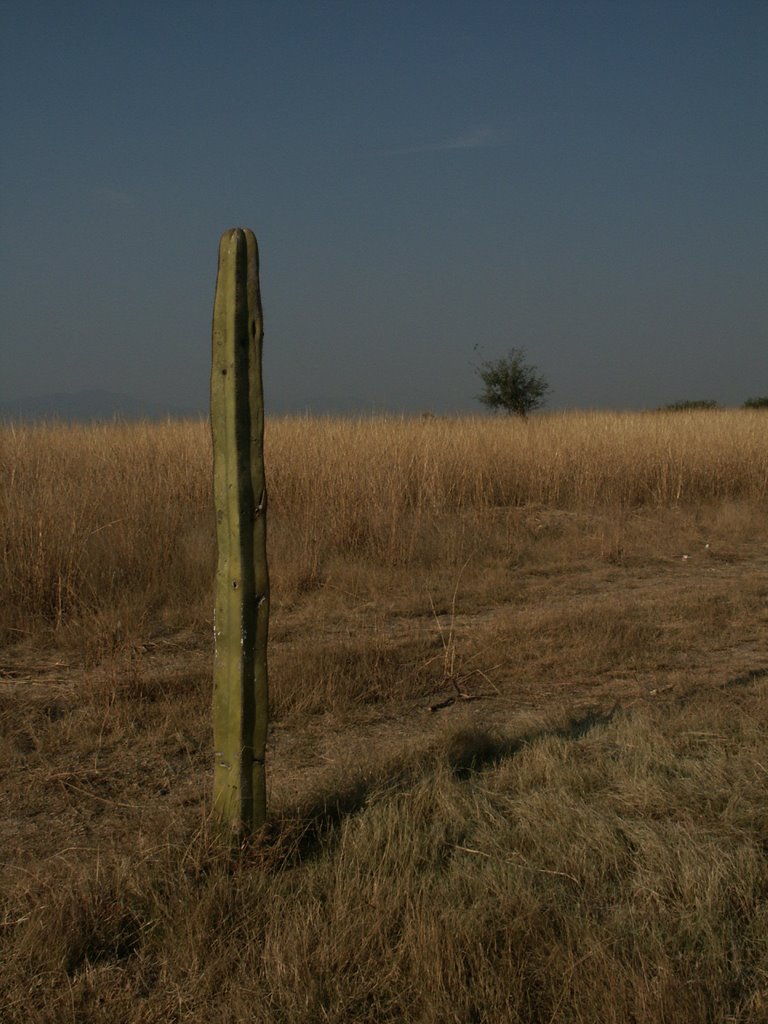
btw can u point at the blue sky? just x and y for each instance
(583, 179)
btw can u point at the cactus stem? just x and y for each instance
(241, 619)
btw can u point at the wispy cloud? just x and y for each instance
(481, 137)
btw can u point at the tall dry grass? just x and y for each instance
(95, 518)
(113, 521)
(555, 866)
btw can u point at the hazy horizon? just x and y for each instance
(586, 182)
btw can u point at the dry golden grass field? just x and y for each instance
(518, 762)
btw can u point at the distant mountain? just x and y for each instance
(87, 406)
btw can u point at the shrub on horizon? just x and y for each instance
(691, 404)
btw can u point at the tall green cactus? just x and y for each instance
(240, 700)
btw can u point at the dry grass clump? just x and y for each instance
(105, 529)
(608, 869)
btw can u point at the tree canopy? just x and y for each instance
(511, 384)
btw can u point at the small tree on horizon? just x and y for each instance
(511, 384)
